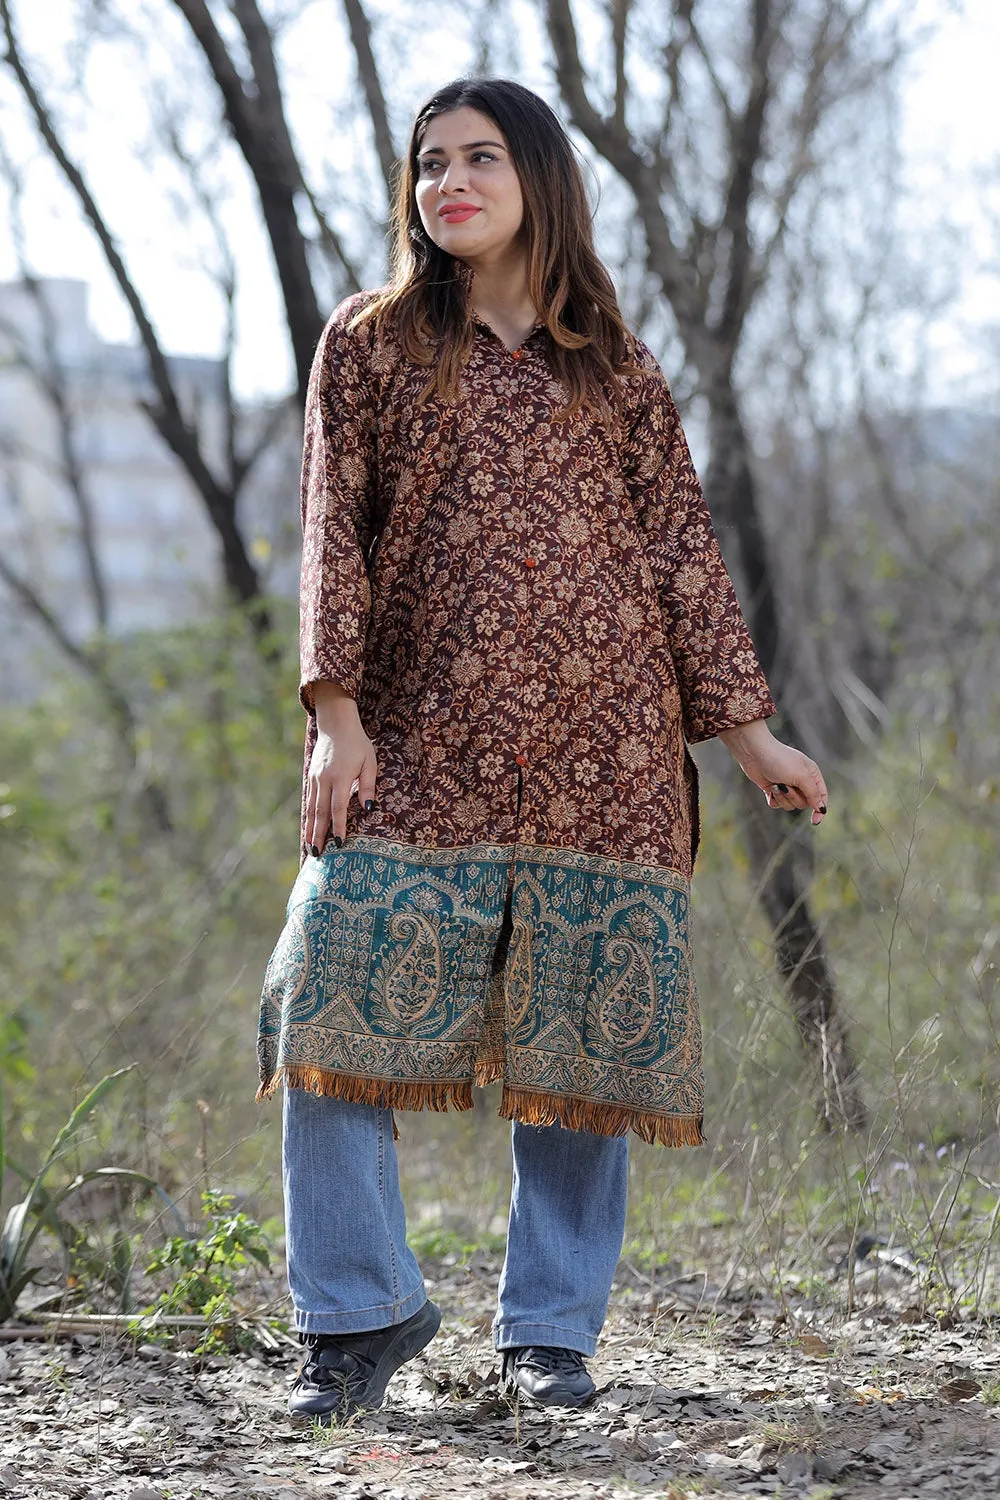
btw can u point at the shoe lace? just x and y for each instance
(549, 1359)
(331, 1363)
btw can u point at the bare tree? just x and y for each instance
(715, 168)
(48, 374)
(39, 360)
(219, 491)
(248, 81)
(245, 75)
(255, 113)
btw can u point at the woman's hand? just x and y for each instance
(789, 780)
(343, 761)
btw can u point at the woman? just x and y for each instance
(514, 617)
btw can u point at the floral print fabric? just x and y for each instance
(533, 614)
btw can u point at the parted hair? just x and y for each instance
(573, 293)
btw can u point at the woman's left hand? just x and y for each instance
(789, 780)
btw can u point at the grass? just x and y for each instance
(436, 1241)
(123, 944)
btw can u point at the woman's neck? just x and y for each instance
(499, 290)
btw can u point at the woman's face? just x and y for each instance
(468, 193)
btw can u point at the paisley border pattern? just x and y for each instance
(381, 986)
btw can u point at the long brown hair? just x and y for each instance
(573, 293)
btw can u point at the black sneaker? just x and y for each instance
(347, 1373)
(550, 1377)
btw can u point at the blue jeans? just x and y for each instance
(349, 1266)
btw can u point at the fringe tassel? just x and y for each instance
(515, 1104)
(600, 1119)
(385, 1094)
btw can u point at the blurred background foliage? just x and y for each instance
(124, 942)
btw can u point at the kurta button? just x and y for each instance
(522, 760)
(529, 562)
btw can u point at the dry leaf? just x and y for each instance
(959, 1390)
(814, 1346)
(164, 1423)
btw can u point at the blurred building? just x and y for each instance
(77, 443)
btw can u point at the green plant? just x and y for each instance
(209, 1269)
(437, 1241)
(40, 1208)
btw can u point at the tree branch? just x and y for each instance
(674, 274)
(225, 278)
(50, 380)
(619, 37)
(332, 243)
(260, 130)
(166, 414)
(723, 99)
(680, 31)
(361, 40)
(814, 101)
(745, 148)
(88, 661)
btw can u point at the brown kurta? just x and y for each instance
(534, 617)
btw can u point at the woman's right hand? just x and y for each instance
(344, 758)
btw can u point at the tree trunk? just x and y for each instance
(781, 856)
(255, 115)
(706, 265)
(783, 861)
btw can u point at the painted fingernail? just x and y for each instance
(781, 786)
(369, 805)
(338, 841)
(822, 807)
(314, 851)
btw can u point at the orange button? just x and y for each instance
(516, 353)
(530, 562)
(522, 760)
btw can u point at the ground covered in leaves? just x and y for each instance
(701, 1392)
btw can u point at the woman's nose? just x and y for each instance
(454, 178)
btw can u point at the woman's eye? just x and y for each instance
(428, 168)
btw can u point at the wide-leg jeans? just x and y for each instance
(349, 1266)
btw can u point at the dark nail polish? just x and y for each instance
(314, 851)
(338, 841)
(781, 786)
(822, 807)
(369, 805)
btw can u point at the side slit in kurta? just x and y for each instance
(533, 615)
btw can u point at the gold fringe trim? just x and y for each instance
(515, 1104)
(453, 1094)
(600, 1119)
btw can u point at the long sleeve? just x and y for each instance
(338, 491)
(720, 677)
